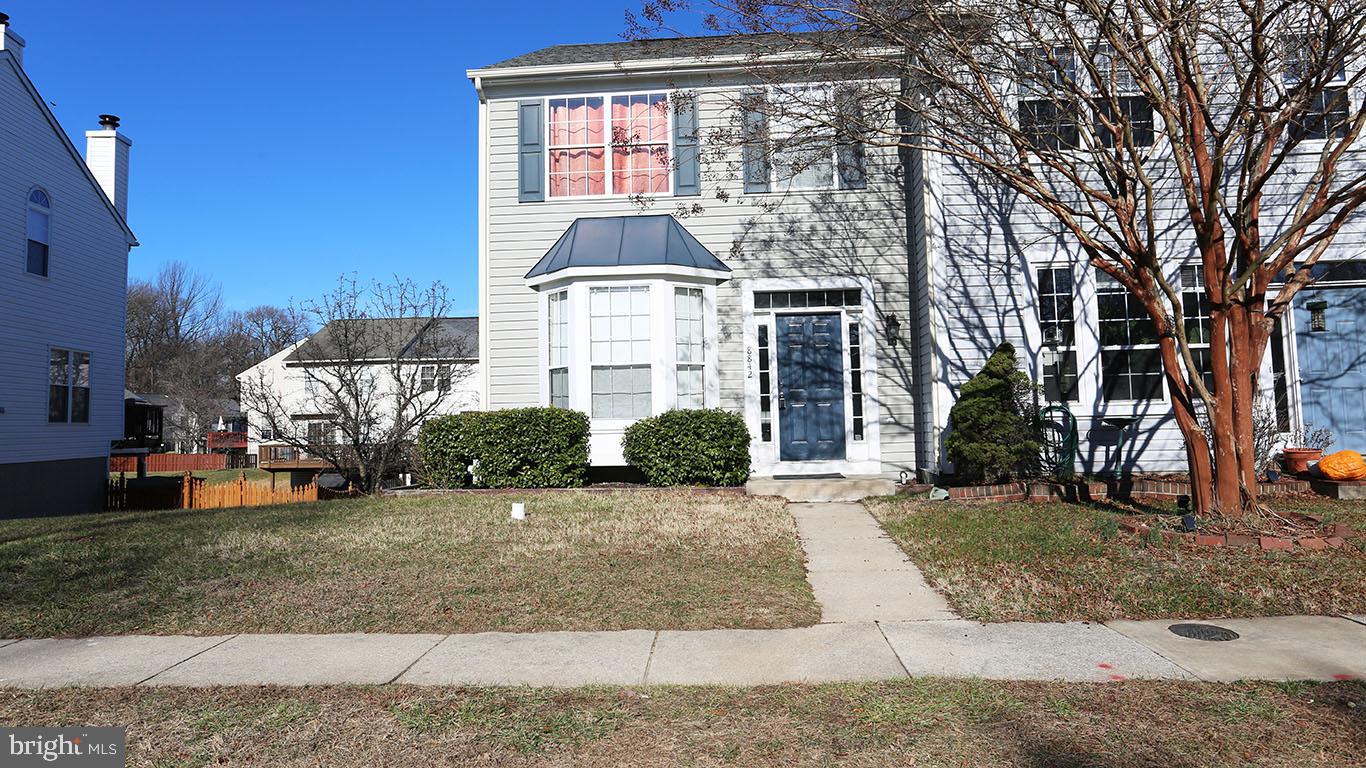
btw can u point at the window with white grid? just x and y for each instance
(689, 347)
(1130, 363)
(558, 323)
(619, 338)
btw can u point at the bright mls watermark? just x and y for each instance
(84, 747)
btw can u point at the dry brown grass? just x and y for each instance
(1068, 562)
(582, 561)
(919, 722)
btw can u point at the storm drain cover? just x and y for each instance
(1203, 632)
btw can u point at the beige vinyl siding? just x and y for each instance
(806, 234)
(79, 306)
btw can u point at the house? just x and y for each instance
(286, 401)
(64, 243)
(837, 296)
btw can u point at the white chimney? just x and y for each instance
(10, 41)
(106, 152)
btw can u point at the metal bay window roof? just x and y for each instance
(627, 241)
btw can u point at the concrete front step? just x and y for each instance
(820, 489)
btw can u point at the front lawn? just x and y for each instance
(581, 561)
(922, 722)
(1068, 562)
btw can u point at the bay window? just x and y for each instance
(558, 352)
(609, 144)
(1130, 363)
(689, 343)
(619, 337)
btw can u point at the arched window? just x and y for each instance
(39, 217)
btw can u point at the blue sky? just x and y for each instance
(280, 144)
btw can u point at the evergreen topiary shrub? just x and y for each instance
(690, 447)
(991, 437)
(511, 448)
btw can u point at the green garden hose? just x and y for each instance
(1058, 428)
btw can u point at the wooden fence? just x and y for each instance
(195, 493)
(171, 462)
(190, 492)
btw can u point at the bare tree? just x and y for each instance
(1151, 132)
(382, 362)
(179, 308)
(264, 330)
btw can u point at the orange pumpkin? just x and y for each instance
(1343, 465)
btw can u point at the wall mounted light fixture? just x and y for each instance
(893, 328)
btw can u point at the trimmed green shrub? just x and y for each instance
(990, 435)
(690, 447)
(512, 448)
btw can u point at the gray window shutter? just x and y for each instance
(687, 174)
(530, 152)
(850, 158)
(756, 143)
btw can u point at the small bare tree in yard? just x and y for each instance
(1153, 134)
(381, 364)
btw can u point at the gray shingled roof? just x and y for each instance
(640, 50)
(614, 241)
(388, 338)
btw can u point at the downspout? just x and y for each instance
(484, 389)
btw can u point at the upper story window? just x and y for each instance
(1046, 117)
(1135, 112)
(39, 221)
(611, 144)
(435, 378)
(68, 391)
(804, 137)
(1327, 115)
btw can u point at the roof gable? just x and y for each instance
(8, 59)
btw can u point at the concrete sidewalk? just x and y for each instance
(857, 573)
(1278, 648)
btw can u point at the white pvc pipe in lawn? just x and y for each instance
(518, 510)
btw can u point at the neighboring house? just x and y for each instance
(64, 244)
(838, 301)
(447, 367)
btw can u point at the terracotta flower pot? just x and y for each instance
(1296, 460)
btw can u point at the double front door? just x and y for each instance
(810, 387)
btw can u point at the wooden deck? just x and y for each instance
(284, 458)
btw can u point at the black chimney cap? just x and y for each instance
(4, 17)
(109, 121)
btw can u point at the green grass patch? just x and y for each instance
(1069, 562)
(922, 722)
(581, 561)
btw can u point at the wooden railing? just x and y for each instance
(171, 462)
(279, 457)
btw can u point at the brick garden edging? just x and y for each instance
(1335, 537)
(1127, 488)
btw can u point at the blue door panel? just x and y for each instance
(1332, 362)
(810, 387)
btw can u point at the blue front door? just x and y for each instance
(810, 387)
(1330, 342)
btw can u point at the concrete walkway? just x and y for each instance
(859, 574)
(1280, 648)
